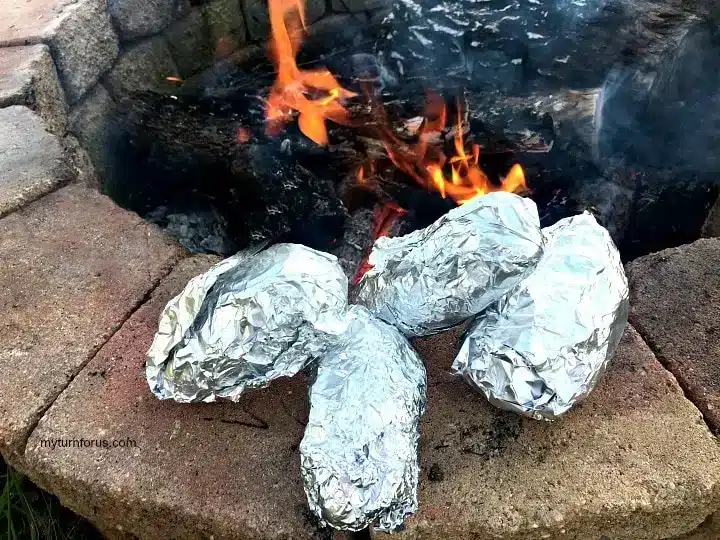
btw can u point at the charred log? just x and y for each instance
(209, 160)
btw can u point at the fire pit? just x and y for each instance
(325, 137)
(238, 127)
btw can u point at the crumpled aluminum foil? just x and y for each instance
(435, 278)
(250, 319)
(545, 345)
(359, 455)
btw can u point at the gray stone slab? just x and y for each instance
(79, 33)
(190, 44)
(73, 266)
(226, 24)
(28, 77)
(90, 121)
(143, 66)
(140, 18)
(31, 159)
(675, 305)
(634, 462)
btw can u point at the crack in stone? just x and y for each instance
(91, 356)
(652, 345)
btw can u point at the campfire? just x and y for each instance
(315, 96)
(548, 305)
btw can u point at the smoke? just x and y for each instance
(666, 116)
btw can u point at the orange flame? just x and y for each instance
(297, 90)
(458, 176)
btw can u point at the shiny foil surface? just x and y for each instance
(359, 455)
(546, 344)
(250, 319)
(437, 277)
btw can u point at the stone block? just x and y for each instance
(73, 267)
(140, 18)
(84, 46)
(633, 462)
(711, 228)
(79, 33)
(31, 159)
(90, 121)
(190, 44)
(28, 77)
(675, 305)
(258, 19)
(226, 25)
(143, 66)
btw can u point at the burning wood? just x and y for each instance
(456, 174)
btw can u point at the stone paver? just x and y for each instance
(675, 305)
(73, 266)
(711, 228)
(635, 461)
(226, 470)
(79, 33)
(28, 77)
(31, 159)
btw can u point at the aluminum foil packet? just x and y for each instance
(250, 319)
(359, 455)
(435, 278)
(546, 344)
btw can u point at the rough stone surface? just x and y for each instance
(711, 228)
(31, 159)
(675, 305)
(190, 44)
(223, 470)
(709, 530)
(635, 461)
(143, 66)
(314, 10)
(355, 6)
(79, 33)
(28, 77)
(73, 266)
(90, 122)
(84, 46)
(258, 19)
(227, 25)
(139, 18)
